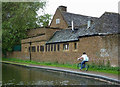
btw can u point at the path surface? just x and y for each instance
(114, 76)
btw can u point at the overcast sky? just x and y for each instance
(93, 8)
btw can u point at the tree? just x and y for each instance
(44, 20)
(17, 17)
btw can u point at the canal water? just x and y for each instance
(18, 75)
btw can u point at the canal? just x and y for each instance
(18, 75)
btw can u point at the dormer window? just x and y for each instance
(57, 21)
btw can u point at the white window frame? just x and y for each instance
(65, 46)
(58, 21)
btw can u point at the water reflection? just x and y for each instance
(18, 75)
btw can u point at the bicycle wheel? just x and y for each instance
(86, 67)
(79, 66)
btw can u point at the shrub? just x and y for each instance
(108, 63)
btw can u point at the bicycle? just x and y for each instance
(84, 65)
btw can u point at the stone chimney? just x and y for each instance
(63, 8)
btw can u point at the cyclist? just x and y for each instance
(85, 59)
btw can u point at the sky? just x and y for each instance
(94, 8)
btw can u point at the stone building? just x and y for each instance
(69, 35)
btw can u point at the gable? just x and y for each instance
(58, 16)
(62, 19)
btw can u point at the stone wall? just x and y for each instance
(34, 32)
(18, 55)
(100, 49)
(39, 34)
(109, 51)
(62, 23)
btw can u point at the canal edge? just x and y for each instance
(99, 77)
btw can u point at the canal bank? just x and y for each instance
(88, 74)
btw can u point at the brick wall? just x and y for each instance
(100, 49)
(62, 24)
(18, 55)
(50, 32)
(32, 34)
(110, 49)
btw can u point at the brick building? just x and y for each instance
(63, 43)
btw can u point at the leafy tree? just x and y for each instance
(44, 20)
(17, 17)
(0, 30)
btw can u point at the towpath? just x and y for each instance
(95, 74)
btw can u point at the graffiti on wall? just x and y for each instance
(103, 52)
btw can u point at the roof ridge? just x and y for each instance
(110, 12)
(79, 14)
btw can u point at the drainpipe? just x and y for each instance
(30, 51)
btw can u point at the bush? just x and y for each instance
(108, 63)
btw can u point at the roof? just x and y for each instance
(66, 35)
(106, 24)
(77, 18)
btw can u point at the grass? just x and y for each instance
(40, 63)
(92, 67)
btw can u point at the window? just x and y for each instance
(57, 21)
(66, 46)
(33, 49)
(29, 49)
(37, 48)
(41, 48)
(58, 47)
(54, 47)
(48, 47)
(75, 46)
(51, 47)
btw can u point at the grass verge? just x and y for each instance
(96, 68)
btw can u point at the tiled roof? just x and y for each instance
(106, 24)
(77, 18)
(69, 35)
